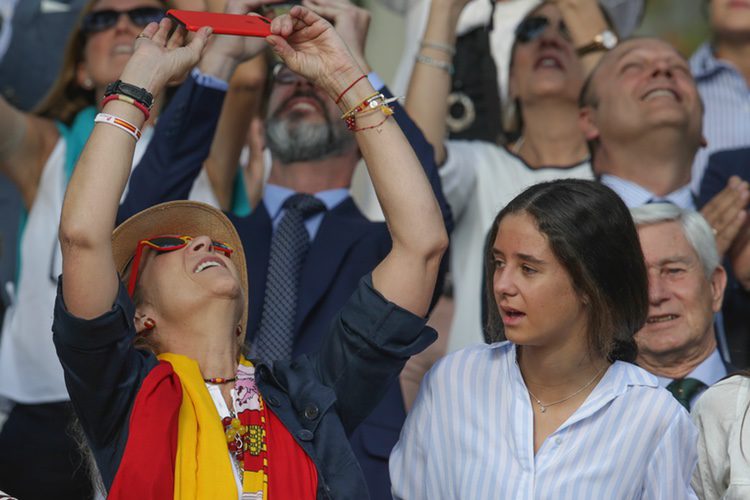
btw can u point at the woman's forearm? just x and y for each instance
(430, 83)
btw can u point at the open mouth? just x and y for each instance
(660, 93)
(662, 318)
(208, 263)
(511, 316)
(549, 61)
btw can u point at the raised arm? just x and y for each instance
(26, 142)
(90, 281)
(585, 20)
(407, 275)
(430, 83)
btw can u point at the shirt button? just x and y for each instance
(304, 435)
(311, 412)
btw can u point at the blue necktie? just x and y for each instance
(289, 246)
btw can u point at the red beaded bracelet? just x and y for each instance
(129, 100)
(347, 89)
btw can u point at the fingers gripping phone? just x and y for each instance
(223, 24)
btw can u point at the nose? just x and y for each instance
(202, 243)
(658, 292)
(124, 24)
(504, 283)
(661, 68)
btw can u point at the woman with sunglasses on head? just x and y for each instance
(38, 153)
(541, 114)
(559, 411)
(188, 416)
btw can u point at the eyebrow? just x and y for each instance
(677, 259)
(522, 256)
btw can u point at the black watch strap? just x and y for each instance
(139, 94)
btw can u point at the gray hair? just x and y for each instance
(695, 228)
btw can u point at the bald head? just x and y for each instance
(639, 89)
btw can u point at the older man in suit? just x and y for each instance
(686, 288)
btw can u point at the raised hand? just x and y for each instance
(351, 22)
(311, 47)
(240, 48)
(160, 58)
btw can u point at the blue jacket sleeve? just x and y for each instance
(181, 142)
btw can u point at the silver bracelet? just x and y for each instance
(445, 66)
(445, 47)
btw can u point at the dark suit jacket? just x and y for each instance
(736, 306)
(346, 247)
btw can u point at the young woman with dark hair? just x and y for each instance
(557, 411)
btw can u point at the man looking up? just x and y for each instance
(686, 288)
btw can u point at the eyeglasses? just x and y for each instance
(102, 20)
(533, 27)
(166, 244)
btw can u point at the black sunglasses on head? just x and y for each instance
(532, 28)
(101, 20)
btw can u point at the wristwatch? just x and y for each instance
(139, 94)
(606, 40)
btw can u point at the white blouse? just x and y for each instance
(722, 415)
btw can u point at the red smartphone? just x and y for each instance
(223, 24)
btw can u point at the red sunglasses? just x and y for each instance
(166, 244)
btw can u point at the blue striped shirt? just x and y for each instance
(470, 435)
(726, 98)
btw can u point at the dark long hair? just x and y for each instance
(591, 233)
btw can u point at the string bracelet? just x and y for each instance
(362, 105)
(429, 61)
(128, 127)
(360, 129)
(129, 100)
(347, 89)
(444, 47)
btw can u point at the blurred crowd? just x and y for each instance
(593, 337)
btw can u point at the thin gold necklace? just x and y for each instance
(543, 407)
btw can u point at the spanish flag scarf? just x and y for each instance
(177, 446)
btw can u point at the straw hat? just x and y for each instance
(183, 218)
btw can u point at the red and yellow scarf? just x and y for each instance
(177, 447)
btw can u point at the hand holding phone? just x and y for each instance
(223, 24)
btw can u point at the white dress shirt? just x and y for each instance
(470, 435)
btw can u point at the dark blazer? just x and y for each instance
(318, 397)
(346, 247)
(736, 307)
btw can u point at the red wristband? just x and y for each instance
(347, 89)
(129, 100)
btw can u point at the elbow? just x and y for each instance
(432, 247)
(75, 235)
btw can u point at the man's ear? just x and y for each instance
(718, 284)
(587, 124)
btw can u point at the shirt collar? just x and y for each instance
(635, 195)
(274, 197)
(704, 62)
(709, 371)
(615, 382)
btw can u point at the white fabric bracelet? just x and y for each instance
(128, 127)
